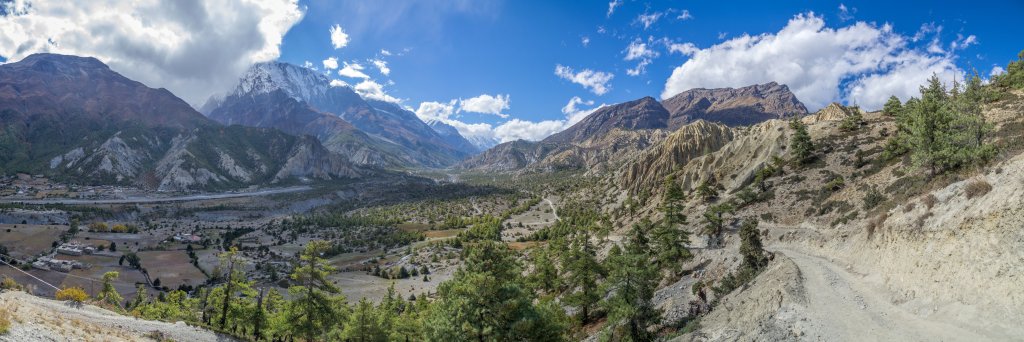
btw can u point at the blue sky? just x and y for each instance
(456, 50)
(500, 70)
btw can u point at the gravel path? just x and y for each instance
(843, 307)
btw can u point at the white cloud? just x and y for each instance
(686, 49)
(722, 35)
(486, 104)
(143, 41)
(638, 50)
(353, 70)
(373, 90)
(845, 13)
(484, 134)
(385, 52)
(382, 66)
(573, 114)
(338, 83)
(516, 129)
(436, 110)
(585, 41)
(612, 5)
(331, 63)
(338, 37)
(997, 70)
(308, 65)
(648, 19)
(595, 81)
(861, 63)
(962, 42)
(685, 15)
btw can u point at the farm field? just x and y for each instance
(173, 268)
(24, 241)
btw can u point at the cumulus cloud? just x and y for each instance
(384, 52)
(382, 66)
(861, 63)
(485, 134)
(612, 5)
(374, 91)
(486, 104)
(595, 81)
(585, 41)
(436, 110)
(353, 70)
(331, 63)
(142, 39)
(338, 83)
(339, 38)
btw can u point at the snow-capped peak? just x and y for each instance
(298, 82)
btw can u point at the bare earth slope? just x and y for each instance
(39, 319)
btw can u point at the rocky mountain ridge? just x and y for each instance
(75, 119)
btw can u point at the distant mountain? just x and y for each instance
(393, 135)
(645, 113)
(455, 139)
(75, 119)
(734, 107)
(600, 138)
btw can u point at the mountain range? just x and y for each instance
(302, 101)
(604, 138)
(73, 118)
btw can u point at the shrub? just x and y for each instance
(9, 284)
(5, 321)
(977, 188)
(73, 294)
(873, 198)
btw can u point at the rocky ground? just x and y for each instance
(38, 319)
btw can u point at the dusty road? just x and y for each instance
(843, 307)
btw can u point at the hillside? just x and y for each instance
(39, 319)
(73, 118)
(734, 106)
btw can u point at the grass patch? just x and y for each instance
(977, 188)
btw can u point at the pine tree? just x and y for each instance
(583, 273)
(893, 106)
(363, 325)
(316, 305)
(669, 238)
(486, 301)
(714, 222)
(630, 285)
(929, 121)
(544, 276)
(800, 145)
(751, 247)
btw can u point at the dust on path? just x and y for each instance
(843, 307)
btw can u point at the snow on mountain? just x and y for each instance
(300, 83)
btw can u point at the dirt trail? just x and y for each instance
(843, 307)
(554, 210)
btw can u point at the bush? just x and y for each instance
(977, 188)
(873, 198)
(9, 284)
(73, 294)
(5, 321)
